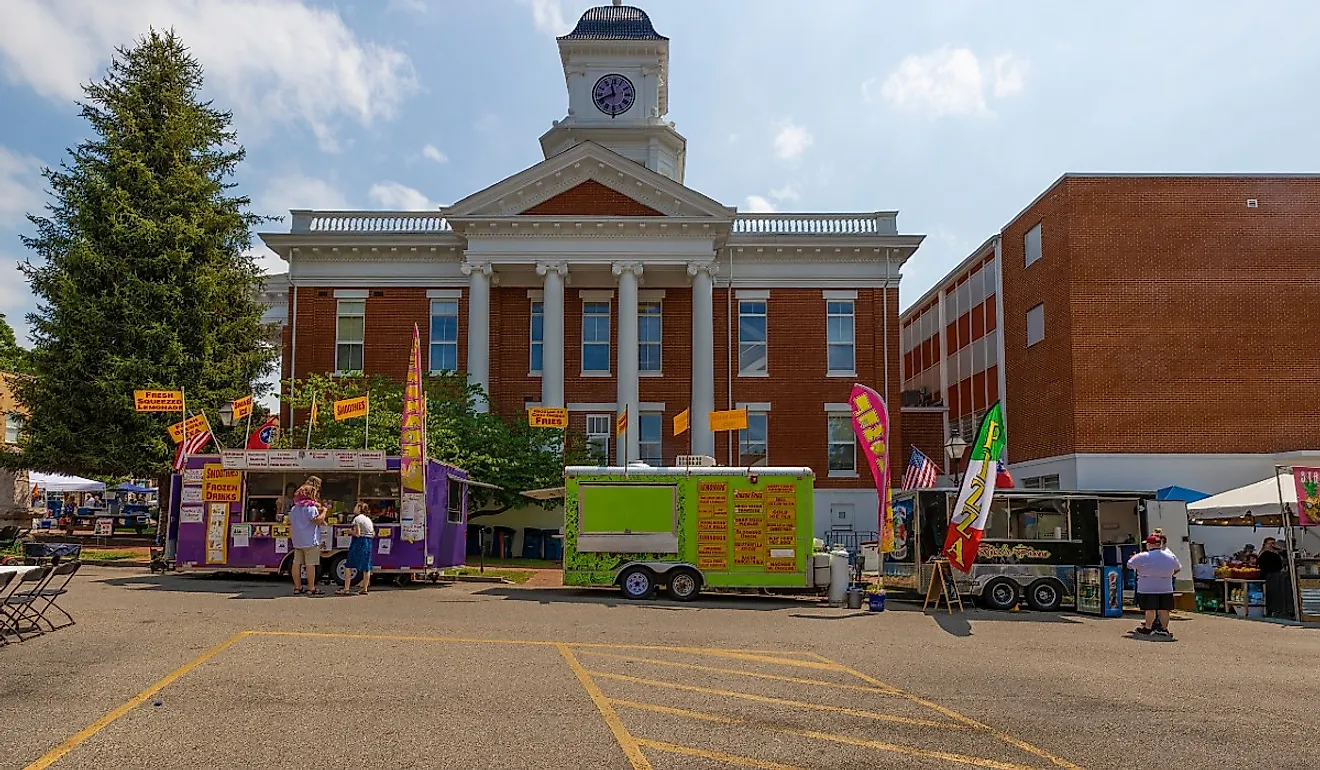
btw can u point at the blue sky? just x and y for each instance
(955, 113)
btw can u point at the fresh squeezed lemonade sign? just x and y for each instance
(158, 400)
(967, 523)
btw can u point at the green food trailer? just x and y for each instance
(687, 528)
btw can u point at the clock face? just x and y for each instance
(613, 95)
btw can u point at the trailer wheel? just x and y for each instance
(338, 568)
(637, 583)
(1000, 594)
(1044, 595)
(683, 584)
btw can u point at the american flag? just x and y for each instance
(921, 471)
(191, 446)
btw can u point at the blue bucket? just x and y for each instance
(876, 602)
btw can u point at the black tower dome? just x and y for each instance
(614, 22)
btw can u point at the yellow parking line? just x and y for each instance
(783, 701)
(626, 741)
(52, 756)
(738, 655)
(752, 674)
(718, 756)
(848, 740)
(950, 713)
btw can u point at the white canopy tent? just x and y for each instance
(1260, 499)
(54, 482)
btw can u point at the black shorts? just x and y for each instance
(1155, 602)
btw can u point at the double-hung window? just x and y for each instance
(350, 330)
(841, 348)
(13, 428)
(444, 335)
(600, 429)
(650, 438)
(595, 337)
(648, 337)
(753, 442)
(842, 445)
(753, 347)
(537, 347)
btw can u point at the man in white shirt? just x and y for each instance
(1155, 569)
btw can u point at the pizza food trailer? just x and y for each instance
(688, 528)
(227, 512)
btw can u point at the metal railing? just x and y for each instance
(386, 222)
(874, 223)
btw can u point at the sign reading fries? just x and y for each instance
(350, 408)
(158, 400)
(547, 417)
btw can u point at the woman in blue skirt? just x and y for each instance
(359, 550)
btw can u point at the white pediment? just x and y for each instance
(587, 162)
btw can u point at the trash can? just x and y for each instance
(554, 544)
(501, 545)
(855, 598)
(533, 543)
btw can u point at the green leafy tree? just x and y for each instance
(493, 449)
(143, 281)
(12, 357)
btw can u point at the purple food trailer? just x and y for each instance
(228, 513)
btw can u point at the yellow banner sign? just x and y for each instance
(349, 408)
(196, 424)
(242, 407)
(734, 419)
(158, 400)
(547, 417)
(682, 421)
(220, 485)
(621, 424)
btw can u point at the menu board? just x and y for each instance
(217, 533)
(307, 460)
(781, 527)
(749, 528)
(713, 525)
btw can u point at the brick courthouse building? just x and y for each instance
(595, 280)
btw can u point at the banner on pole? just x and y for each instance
(682, 422)
(350, 408)
(968, 517)
(158, 400)
(413, 427)
(733, 419)
(870, 420)
(1308, 496)
(242, 407)
(621, 422)
(196, 424)
(547, 417)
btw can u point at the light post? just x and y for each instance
(227, 415)
(955, 448)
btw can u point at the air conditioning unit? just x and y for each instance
(694, 461)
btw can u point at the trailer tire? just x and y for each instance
(1045, 595)
(637, 583)
(335, 570)
(683, 584)
(1000, 594)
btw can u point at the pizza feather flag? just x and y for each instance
(968, 517)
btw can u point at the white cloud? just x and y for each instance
(267, 60)
(267, 260)
(398, 197)
(792, 140)
(548, 15)
(432, 152)
(785, 193)
(758, 205)
(296, 191)
(20, 187)
(949, 81)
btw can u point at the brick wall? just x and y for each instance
(923, 428)
(591, 198)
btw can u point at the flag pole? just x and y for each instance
(366, 437)
(247, 432)
(311, 419)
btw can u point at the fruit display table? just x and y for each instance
(1240, 598)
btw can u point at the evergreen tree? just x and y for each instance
(143, 281)
(12, 357)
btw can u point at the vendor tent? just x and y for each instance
(54, 482)
(135, 489)
(1259, 500)
(1182, 494)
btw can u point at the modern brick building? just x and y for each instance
(1144, 330)
(596, 280)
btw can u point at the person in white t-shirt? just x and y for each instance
(360, 550)
(1155, 569)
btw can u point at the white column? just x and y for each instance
(703, 356)
(628, 273)
(478, 328)
(552, 337)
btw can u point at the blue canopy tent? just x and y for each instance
(134, 489)
(1181, 494)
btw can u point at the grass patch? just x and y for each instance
(511, 575)
(474, 561)
(94, 555)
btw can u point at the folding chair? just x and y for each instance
(5, 579)
(66, 570)
(16, 608)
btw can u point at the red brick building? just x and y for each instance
(596, 281)
(1153, 330)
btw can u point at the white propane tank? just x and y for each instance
(839, 577)
(820, 570)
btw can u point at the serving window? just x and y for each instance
(1028, 518)
(454, 501)
(268, 497)
(380, 491)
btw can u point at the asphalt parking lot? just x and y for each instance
(175, 671)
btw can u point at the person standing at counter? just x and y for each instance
(305, 520)
(359, 550)
(1270, 563)
(1155, 569)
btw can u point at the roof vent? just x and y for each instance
(1251, 203)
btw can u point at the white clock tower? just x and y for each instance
(617, 70)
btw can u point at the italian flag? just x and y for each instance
(969, 514)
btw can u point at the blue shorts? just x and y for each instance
(359, 554)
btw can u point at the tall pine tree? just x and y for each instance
(143, 281)
(12, 357)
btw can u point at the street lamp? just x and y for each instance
(227, 415)
(955, 448)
